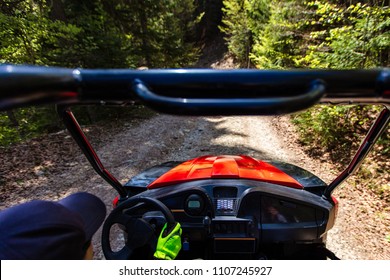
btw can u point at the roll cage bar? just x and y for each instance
(202, 92)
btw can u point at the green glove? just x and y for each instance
(169, 243)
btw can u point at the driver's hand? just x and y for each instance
(169, 243)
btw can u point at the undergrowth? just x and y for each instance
(27, 123)
(335, 132)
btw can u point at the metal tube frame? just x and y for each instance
(82, 141)
(376, 130)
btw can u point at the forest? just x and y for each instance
(263, 34)
(308, 34)
(91, 34)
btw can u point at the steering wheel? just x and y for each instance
(139, 232)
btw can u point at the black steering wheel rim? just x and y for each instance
(118, 217)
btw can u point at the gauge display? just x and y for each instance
(194, 204)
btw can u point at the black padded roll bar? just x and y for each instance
(195, 91)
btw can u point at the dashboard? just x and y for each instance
(242, 216)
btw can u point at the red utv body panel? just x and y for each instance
(225, 167)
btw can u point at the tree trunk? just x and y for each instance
(57, 11)
(144, 35)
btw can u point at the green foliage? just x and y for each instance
(334, 129)
(90, 34)
(278, 44)
(355, 36)
(156, 32)
(26, 123)
(236, 27)
(98, 33)
(308, 34)
(242, 20)
(8, 134)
